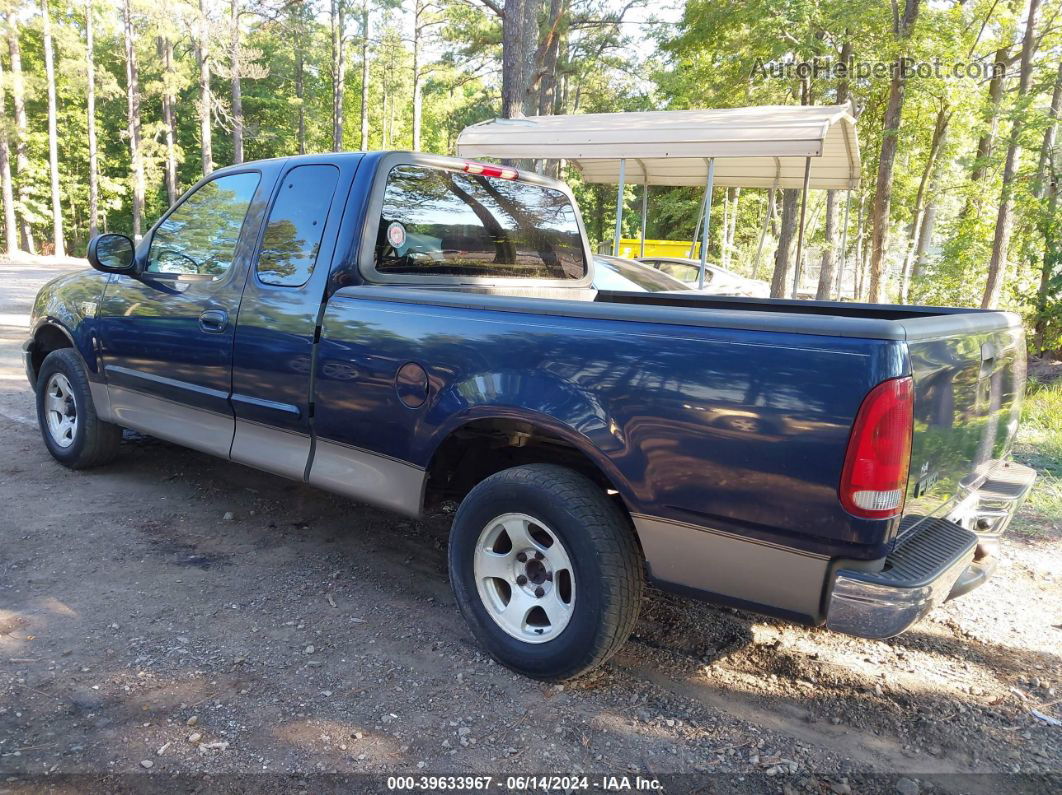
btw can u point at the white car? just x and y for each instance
(626, 275)
(717, 281)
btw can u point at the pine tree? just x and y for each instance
(53, 134)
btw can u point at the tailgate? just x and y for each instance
(968, 388)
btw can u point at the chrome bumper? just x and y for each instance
(942, 559)
(989, 509)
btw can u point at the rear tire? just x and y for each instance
(75, 436)
(571, 602)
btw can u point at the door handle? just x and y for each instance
(213, 321)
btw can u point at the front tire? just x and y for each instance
(545, 570)
(75, 436)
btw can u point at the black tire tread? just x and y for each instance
(613, 538)
(102, 439)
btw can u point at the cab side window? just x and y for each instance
(296, 224)
(200, 236)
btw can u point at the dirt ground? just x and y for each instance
(178, 614)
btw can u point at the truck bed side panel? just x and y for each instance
(721, 428)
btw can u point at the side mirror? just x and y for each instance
(111, 254)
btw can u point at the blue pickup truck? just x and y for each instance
(405, 329)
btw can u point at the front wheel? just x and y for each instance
(73, 433)
(545, 570)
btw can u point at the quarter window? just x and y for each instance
(296, 224)
(201, 234)
(446, 223)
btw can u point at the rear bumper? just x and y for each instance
(942, 559)
(989, 509)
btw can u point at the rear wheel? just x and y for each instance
(545, 570)
(73, 433)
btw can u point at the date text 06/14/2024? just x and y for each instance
(525, 783)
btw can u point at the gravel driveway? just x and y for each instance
(178, 614)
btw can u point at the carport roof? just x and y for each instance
(762, 146)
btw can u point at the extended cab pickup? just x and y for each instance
(406, 328)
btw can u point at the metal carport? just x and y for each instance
(770, 146)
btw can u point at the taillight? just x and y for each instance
(874, 479)
(487, 170)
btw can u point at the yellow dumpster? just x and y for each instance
(631, 248)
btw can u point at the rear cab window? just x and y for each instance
(451, 225)
(293, 233)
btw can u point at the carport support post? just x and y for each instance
(645, 213)
(800, 232)
(707, 221)
(619, 209)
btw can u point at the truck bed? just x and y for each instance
(968, 365)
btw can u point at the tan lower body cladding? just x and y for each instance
(733, 566)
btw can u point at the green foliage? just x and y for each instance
(1039, 445)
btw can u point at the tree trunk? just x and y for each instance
(540, 53)
(169, 100)
(768, 217)
(780, 279)
(1046, 186)
(563, 96)
(53, 133)
(300, 89)
(1051, 262)
(925, 234)
(731, 229)
(206, 100)
(365, 76)
(840, 262)
(10, 224)
(986, 141)
(90, 109)
(860, 250)
(995, 94)
(830, 277)
(724, 258)
(879, 216)
(940, 132)
(1047, 149)
(997, 267)
(550, 49)
(829, 250)
(864, 271)
(132, 96)
(418, 11)
(237, 89)
(528, 50)
(339, 68)
(845, 58)
(392, 97)
(513, 87)
(18, 100)
(385, 126)
(772, 196)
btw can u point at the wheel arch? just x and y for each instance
(49, 335)
(481, 445)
